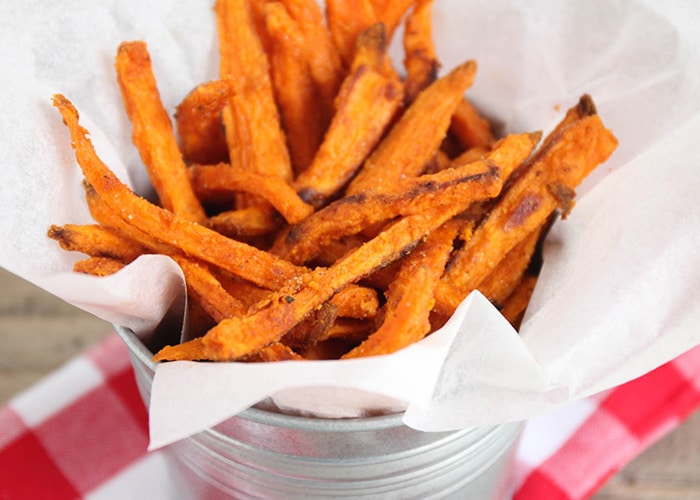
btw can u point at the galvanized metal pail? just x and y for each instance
(264, 454)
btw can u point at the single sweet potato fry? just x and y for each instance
(416, 137)
(199, 126)
(470, 128)
(192, 350)
(97, 241)
(251, 120)
(153, 133)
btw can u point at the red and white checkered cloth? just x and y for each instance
(82, 433)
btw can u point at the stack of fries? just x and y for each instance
(321, 202)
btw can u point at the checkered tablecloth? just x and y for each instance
(82, 433)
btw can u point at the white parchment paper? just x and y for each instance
(618, 292)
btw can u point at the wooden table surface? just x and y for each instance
(39, 332)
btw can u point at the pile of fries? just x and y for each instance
(321, 202)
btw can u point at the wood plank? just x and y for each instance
(38, 333)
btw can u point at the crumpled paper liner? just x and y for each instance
(617, 295)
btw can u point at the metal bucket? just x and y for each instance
(264, 454)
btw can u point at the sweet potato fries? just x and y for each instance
(321, 200)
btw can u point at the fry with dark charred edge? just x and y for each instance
(420, 60)
(212, 180)
(278, 352)
(351, 214)
(371, 48)
(153, 133)
(547, 184)
(297, 96)
(416, 137)
(97, 241)
(198, 121)
(406, 316)
(313, 329)
(193, 239)
(366, 104)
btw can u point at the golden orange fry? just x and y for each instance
(297, 95)
(97, 241)
(410, 296)
(416, 137)
(252, 124)
(192, 350)
(420, 58)
(153, 133)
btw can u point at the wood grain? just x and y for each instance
(39, 332)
